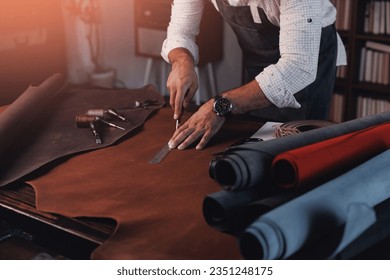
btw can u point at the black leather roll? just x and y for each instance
(249, 165)
(232, 212)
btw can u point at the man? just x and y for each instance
(290, 50)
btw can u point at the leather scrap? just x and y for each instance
(39, 127)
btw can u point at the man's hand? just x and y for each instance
(182, 82)
(203, 125)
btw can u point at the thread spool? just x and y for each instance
(83, 121)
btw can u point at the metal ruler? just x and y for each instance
(160, 155)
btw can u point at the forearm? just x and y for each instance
(181, 55)
(246, 98)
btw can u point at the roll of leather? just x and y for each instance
(249, 165)
(225, 210)
(309, 165)
(373, 243)
(284, 230)
(40, 126)
(232, 212)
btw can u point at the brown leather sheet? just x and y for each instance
(40, 127)
(158, 207)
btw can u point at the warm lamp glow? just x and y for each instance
(31, 44)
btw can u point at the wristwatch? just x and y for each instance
(222, 106)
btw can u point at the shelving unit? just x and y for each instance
(353, 89)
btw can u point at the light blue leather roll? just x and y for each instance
(283, 231)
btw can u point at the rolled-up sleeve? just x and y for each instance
(300, 36)
(183, 27)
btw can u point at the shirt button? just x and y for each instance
(309, 20)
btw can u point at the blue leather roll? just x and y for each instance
(286, 229)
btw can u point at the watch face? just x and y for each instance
(222, 106)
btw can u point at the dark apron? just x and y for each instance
(260, 45)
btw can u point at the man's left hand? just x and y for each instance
(203, 125)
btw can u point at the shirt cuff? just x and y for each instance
(275, 93)
(169, 45)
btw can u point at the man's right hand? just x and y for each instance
(182, 82)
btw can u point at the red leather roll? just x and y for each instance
(316, 163)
